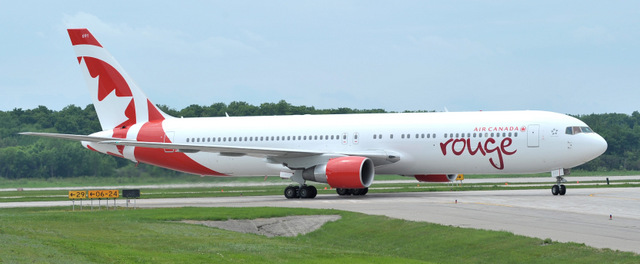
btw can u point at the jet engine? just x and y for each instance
(344, 172)
(436, 177)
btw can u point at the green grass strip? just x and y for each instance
(55, 235)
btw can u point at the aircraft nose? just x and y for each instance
(598, 145)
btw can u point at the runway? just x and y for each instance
(582, 216)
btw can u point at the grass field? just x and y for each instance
(55, 235)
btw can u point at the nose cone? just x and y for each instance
(597, 145)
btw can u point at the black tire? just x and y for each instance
(343, 191)
(291, 192)
(304, 192)
(563, 190)
(360, 192)
(555, 190)
(312, 192)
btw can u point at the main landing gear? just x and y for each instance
(559, 188)
(310, 191)
(304, 192)
(354, 192)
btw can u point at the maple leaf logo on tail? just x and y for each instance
(118, 101)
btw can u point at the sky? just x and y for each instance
(573, 57)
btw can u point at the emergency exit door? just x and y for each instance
(533, 136)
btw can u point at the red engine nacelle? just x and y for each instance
(436, 177)
(345, 172)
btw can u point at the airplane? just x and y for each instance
(344, 151)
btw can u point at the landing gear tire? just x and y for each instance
(559, 188)
(360, 191)
(291, 192)
(563, 189)
(346, 192)
(308, 192)
(343, 191)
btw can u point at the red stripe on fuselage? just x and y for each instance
(153, 132)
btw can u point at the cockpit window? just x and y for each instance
(577, 130)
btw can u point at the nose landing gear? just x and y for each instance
(559, 188)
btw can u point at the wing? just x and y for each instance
(67, 136)
(293, 157)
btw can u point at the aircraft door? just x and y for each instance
(533, 136)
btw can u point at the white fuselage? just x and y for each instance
(424, 143)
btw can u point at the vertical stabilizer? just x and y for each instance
(118, 101)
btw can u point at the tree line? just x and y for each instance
(36, 157)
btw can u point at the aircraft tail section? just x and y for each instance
(118, 101)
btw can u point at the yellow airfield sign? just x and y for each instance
(77, 194)
(104, 194)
